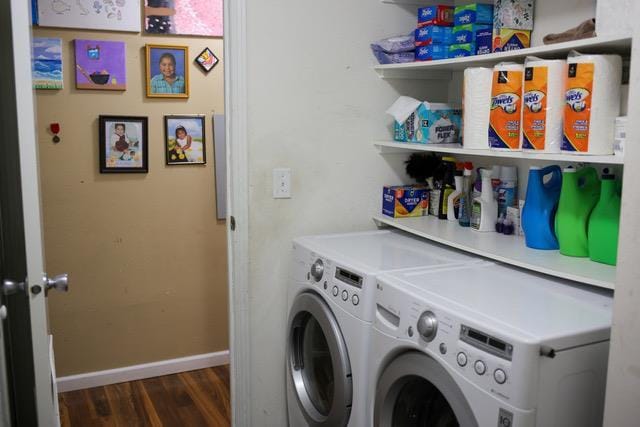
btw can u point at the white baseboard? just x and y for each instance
(138, 372)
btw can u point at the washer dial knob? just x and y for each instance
(427, 326)
(317, 269)
(462, 359)
(500, 376)
(480, 367)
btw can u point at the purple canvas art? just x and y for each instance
(100, 64)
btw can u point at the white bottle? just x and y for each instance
(508, 189)
(454, 198)
(484, 211)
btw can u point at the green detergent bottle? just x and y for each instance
(605, 222)
(580, 193)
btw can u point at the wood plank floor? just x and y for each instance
(196, 398)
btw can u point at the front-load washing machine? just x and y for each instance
(488, 345)
(330, 301)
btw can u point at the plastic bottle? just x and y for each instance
(604, 222)
(580, 193)
(484, 212)
(464, 216)
(540, 206)
(507, 189)
(496, 173)
(453, 201)
(448, 185)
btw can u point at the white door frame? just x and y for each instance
(235, 105)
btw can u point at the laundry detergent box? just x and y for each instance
(467, 33)
(438, 123)
(431, 52)
(474, 13)
(433, 34)
(506, 39)
(403, 201)
(514, 14)
(435, 15)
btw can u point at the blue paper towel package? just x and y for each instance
(432, 52)
(467, 33)
(433, 34)
(475, 13)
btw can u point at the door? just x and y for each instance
(318, 363)
(416, 391)
(30, 391)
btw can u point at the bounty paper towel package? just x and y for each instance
(438, 123)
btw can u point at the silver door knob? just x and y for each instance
(10, 287)
(59, 283)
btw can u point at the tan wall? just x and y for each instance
(145, 254)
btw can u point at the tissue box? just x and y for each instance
(506, 39)
(475, 13)
(514, 14)
(438, 123)
(402, 201)
(467, 33)
(433, 34)
(435, 15)
(484, 41)
(431, 52)
(406, 131)
(461, 50)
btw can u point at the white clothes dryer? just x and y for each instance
(331, 308)
(488, 345)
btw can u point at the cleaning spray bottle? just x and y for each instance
(453, 201)
(464, 215)
(484, 211)
(604, 222)
(448, 185)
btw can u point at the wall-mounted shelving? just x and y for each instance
(419, 3)
(391, 147)
(507, 249)
(426, 69)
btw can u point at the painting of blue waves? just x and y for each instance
(46, 63)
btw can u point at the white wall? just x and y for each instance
(314, 105)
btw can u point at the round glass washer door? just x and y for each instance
(416, 391)
(318, 363)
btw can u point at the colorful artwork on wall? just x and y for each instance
(207, 60)
(112, 15)
(46, 63)
(184, 17)
(100, 64)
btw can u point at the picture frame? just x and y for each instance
(124, 144)
(207, 60)
(185, 141)
(167, 71)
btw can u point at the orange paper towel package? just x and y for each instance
(506, 107)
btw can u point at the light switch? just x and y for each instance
(282, 183)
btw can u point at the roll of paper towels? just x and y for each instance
(505, 118)
(592, 103)
(543, 104)
(476, 108)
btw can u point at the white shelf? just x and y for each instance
(391, 147)
(420, 3)
(560, 50)
(507, 249)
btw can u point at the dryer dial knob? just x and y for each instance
(427, 326)
(317, 270)
(480, 367)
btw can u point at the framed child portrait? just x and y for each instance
(184, 140)
(124, 144)
(167, 71)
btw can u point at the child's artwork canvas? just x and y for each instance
(100, 65)
(112, 15)
(46, 63)
(184, 17)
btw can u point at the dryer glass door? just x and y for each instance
(318, 363)
(416, 391)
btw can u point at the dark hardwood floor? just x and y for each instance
(196, 398)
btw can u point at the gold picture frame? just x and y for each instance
(163, 62)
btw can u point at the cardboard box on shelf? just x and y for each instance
(403, 201)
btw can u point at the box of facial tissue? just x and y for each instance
(438, 123)
(431, 52)
(402, 201)
(484, 41)
(514, 14)
(433, 34)
(506, 39)
(475, 13)
(462, 49)
(435, 15)
(467, 33)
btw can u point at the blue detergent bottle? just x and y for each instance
(540, 207)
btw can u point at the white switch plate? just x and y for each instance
(282, 183)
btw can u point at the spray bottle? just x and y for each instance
(484, 211)
(453, 201)
(464, 215)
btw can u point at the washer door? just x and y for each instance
(416, 391)
(318, 363)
